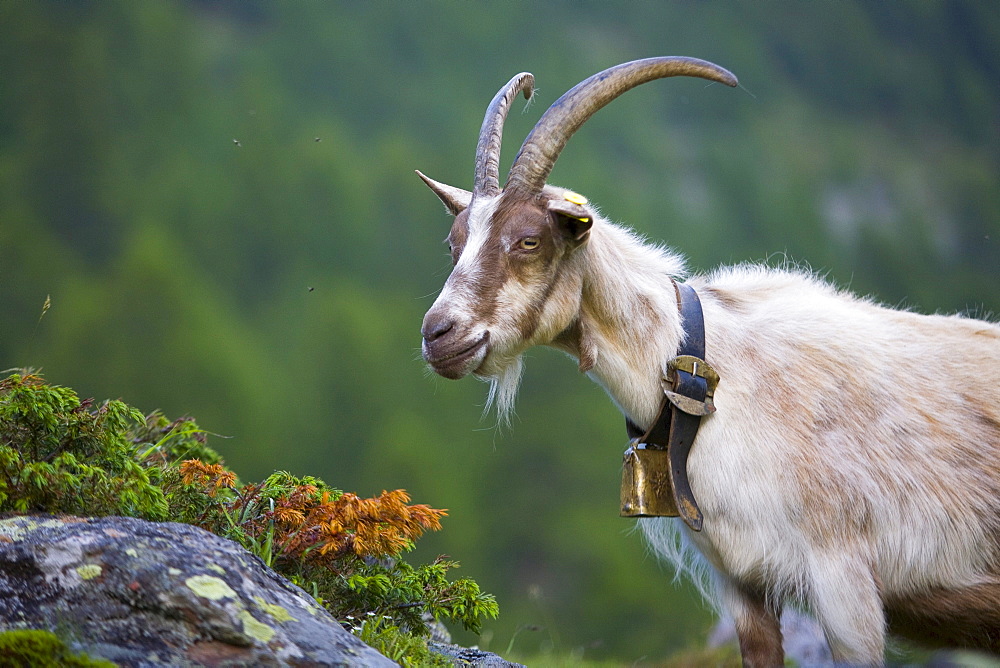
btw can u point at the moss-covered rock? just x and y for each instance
(136, 592)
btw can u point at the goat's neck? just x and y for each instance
(628, 325)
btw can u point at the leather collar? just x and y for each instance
(688, 390)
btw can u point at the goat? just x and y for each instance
(853, 464)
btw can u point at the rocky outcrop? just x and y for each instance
(141, 593)
(461, 657)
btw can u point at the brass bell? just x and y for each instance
(646, 487)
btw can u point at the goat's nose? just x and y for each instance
(436, 327)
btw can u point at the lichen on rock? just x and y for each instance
(88, 571)
(210, 587)
(137, 592)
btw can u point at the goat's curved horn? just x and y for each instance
(487, 180)
(547, 139)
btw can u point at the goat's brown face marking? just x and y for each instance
(507, 253)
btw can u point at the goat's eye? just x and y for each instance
(528, 243)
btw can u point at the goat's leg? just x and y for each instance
(758, 626)
(844, 596)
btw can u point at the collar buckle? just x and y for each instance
(695, 369)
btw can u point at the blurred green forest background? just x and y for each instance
(219, 198)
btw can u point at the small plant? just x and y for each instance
(397, 644)
(344, 547)
(62, 455)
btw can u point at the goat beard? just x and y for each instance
(503, 389)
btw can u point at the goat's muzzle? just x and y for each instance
(450, 350)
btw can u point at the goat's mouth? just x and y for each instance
(453, 361)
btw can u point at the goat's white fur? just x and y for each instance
(781, 463)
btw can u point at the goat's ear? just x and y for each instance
(573, 219)
(455, 200)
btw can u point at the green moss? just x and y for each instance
(42, 649)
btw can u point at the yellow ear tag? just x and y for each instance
(575, 198)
